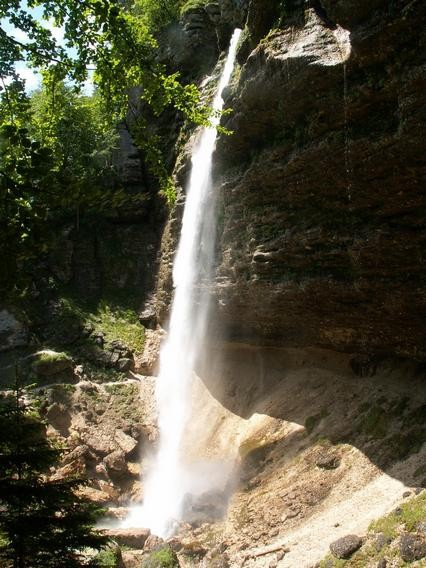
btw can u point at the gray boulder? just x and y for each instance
(412, 547)
(344, 547)
(13, 333)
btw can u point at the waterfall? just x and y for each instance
(170, 478)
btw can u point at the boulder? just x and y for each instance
(327, 460)
(13, 333)
(132, 559)
(79, 453)
(115, 463)
(95, 495)
(381, 542)
(48, 363)
(147, 363)
(134, 468)
(72, 469)
(118, 346)
(126, 442)
(119, 513)
(412, 547)
(99, 442)
(133, 538)
(123, 365)
(58, 416)
(148, 317)
(344, 547)
(153, 542)
(108, 489)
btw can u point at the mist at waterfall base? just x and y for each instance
(172, 480)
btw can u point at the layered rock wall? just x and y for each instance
(322, 207)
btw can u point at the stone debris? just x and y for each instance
(344, 547)
(13, 333)
(412, 547)
(126, 442)
(133, 538)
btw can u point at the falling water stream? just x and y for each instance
(171, 477)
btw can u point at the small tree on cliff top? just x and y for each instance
(43, 522)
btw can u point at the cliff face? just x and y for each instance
(321, 201)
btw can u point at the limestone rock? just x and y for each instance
(134, 468)
(381, 541)
(119, 347)
(305, 247)
(327, 460)
(123, 365)
(132, 559)
(72, 469)
(13, 333)
(133, 538)
(95, 495)
(148, 317)
(119, 513)
(98, 441)
(108, 489)
(147, 363)
(412, 547)
(80, 454)
(59, 417)
(49, 363)
(344, 547)
(153, 542)
(126, 442)
(115, 463)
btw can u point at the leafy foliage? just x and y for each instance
(107, 36)
(44, 523)
(55, 148)
(162, 558)
(54, 155)
(112, 320)
(108, 558)
(190, 5)
(158, 13)
(77, 135)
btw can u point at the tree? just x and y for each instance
(45, 163)
(112, 38)
(43, 522)
(27, 184)
(158, 13)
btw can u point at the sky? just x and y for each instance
(32, 78)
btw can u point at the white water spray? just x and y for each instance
(171, 478)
